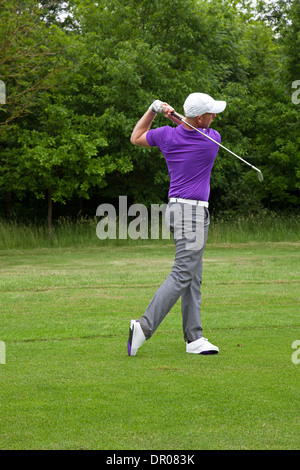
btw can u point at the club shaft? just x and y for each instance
(213, 140)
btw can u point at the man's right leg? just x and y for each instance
(162, 302)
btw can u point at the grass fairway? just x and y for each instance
(69, 384)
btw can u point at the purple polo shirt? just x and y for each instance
(190, 157)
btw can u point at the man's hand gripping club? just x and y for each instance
(138, 136)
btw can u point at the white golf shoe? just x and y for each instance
(136, 337)
(201, 346)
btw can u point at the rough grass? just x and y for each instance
(264, 226)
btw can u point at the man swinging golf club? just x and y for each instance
(190, 156)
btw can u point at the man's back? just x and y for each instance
(190, 158)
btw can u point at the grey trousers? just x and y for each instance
(189, 227)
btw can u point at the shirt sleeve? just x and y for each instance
(157, 137)
(214, 134)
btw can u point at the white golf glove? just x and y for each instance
(157, 106)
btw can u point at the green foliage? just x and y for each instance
(82, 83)
(30, 56)
(292, 41)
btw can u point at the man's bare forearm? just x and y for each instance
(138, 136)
(141, 128)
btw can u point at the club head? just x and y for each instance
(260, 175)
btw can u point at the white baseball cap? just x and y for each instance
(197, 104)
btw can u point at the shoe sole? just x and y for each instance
(204, 352)
(208, 353)
(129, 342)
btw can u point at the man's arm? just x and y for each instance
(138, 136)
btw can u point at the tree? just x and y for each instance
(29, 56)
(144, 50)
(90, 78)
(275, 14)
(30, 61)
(291, 41)
(55, 148)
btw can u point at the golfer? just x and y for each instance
(190, 157)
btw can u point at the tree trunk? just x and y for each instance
(49, 218)
(8, 205)
(80, 208)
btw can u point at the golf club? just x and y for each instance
(259, 173)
